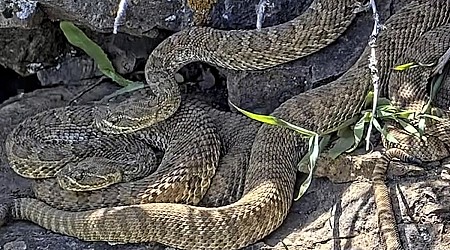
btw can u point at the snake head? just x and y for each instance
(126, 117)
(88, 175)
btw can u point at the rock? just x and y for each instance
(70, 71)
(20, 14)
(28, 50)
(142, 17)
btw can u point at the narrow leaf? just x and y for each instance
(409, 128)
(383, 101)
(314, 150)
(358, 130)
(421, 127)
(305, 185)
(405, 114)
(261, 118)
(430, 116)
(390, 137)
(303, 165)
(436, 86)
(77, 38)
(298, 129)
(345, 142)
(343, 125)
(275, 121)
(405, 66)
(368, 99)
(387, 136)
(384, 114)
(388, 108)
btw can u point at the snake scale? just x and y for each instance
(270, 177)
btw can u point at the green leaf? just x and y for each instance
(313, 154)
(385, 114)
(298, 129)
(304, 162)
(261, 118)
(436, 86)
(388, 108)
(345, 142)
(421, 127)
(303, 165)
(430, 116)
(358, 130)
(368, 99)
(275, 121)
(405, 66)
(383, 101)
(388, 136)
(405, 114)
(314, 149)
(409, 128)
(77, 38)
(305, 185)
(343, 125)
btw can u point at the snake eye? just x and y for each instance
(78, 175)
(114, 119)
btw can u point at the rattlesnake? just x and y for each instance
(269, 181)
(176, 137)
(63, 148)
(321, 24)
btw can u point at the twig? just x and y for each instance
(87, 89)
(120, 15)
(373, 69)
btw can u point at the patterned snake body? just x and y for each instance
(320, 25)
(64, 145)
(271, 174)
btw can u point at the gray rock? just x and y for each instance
(20, 14)
(237, 14)
(28, 50)
(142, 17)
(70, 71)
